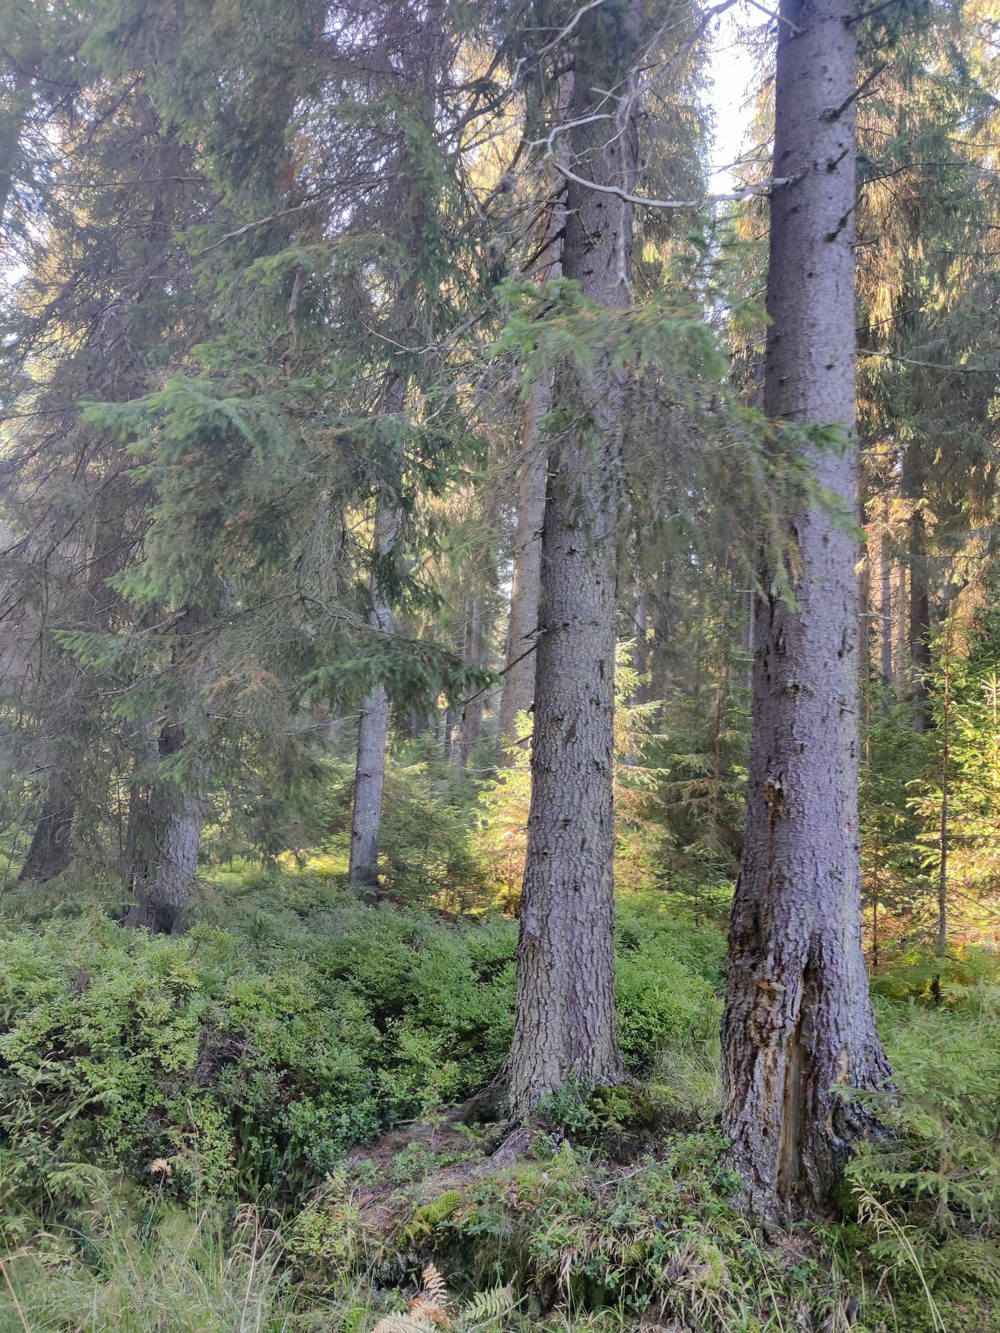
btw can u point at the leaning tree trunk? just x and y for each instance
(798, 1020)
(565, 1015)
(373, 724)
(49, 852)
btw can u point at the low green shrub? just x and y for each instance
(250, 1058)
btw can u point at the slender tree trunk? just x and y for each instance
(49, 852)
(641, 657)
(661, 664)
(519, 678)
(941, 941)
(864, 595)
(798, 1019)
(525, 594)
(914, 480)
(565, 1014)
(373, 724)
(885, 607)
(422, 68)
(900, 627)
(472, 713)
(749, 641)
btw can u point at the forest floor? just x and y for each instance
(253, 1127)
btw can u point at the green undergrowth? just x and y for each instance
(249, 1058)
(180, 1122)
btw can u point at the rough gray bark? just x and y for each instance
(373, 724)
(565, 1014)
(165, 824)
(169, 797)
(49, 851)
(798, 1018)
(525, 592)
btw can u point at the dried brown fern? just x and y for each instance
(429, 1310)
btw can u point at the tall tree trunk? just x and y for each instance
(798, 1019)
(525, 592)
(565, 1014)
(49, 851)
(373, 724)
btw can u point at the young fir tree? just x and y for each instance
(798, 1020)
(112, 282)
(410, 224)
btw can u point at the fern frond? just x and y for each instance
(400, 1323)
(487, 1307)
(429, 1314)
(434, 1290)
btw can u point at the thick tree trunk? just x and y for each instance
(565, 1014)
(49, 852)
(519, 678)
(373, 724)
(798, 1019)
(165, 824)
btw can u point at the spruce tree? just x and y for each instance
(798, 1030)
